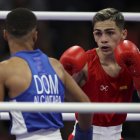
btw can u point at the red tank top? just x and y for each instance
(100, 87)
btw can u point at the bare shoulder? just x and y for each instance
(4, 67)
(10, 67)
(54, 61)
(57, 66)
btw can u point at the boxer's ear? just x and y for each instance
(35, 33)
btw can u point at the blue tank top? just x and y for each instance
(45, 87)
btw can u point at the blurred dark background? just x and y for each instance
(56, 36)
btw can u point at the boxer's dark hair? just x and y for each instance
(20, 21)
(109, 14)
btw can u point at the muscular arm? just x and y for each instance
(74, 94)
(73, 91)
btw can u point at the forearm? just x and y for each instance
(85, 120)
(84, 128)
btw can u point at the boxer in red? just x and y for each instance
(109, 72)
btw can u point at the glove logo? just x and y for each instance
(104, 88)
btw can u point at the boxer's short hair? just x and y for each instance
(20, 21)
(109, 14)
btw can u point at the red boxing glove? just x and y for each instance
(74, 59)
(128, 55)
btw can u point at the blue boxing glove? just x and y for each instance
(83, 135)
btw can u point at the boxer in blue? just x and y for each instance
(31, 76)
